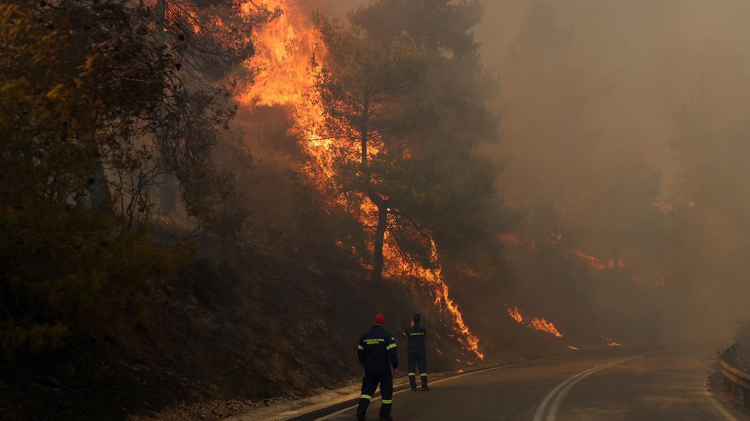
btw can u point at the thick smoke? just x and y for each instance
(610, 95)
(625, 137)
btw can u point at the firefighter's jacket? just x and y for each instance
(377, 350)
(416, 335)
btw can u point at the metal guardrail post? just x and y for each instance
(738, 380)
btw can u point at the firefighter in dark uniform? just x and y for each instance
(377, 353)
(417, 353)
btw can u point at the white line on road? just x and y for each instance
(329, 416)
(562, 389)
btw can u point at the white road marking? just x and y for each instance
(329, 416)
(719, 407)
(562, 389)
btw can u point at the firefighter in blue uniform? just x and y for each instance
(377, 353)
(417, 353)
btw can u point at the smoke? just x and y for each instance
(625, 137)
(607, 104)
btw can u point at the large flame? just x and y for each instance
(286, 48)
(434, 279)
(535, 323)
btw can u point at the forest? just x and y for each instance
(193, 191)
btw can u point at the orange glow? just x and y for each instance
(573, 348)
(535, 323)
(510, 238)
(397, 265)
(608, 340)
(620, 263)
(545, 326)
(284, 76)
(515, 313)
(470, 273)
(594, 263)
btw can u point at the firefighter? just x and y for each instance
(417, 353)
(377, 353)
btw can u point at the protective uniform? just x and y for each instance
(417, 354)
(377, 353)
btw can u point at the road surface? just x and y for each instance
(612, 384)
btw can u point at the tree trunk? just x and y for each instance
(169, 184)
(382, 204)
(377, 265)
(99, 193)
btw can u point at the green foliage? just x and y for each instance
(60, 122)
(81, 84)
(67, 270)
(426, 119)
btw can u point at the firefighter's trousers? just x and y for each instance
(416, 360)
(370, 384)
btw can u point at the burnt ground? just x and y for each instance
(241, 334)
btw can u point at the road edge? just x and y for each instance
(349, 407)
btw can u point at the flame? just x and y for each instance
(396, 265)
(535, 323)
(545, 326)
(609, 340)
(461, 370)
(594, 263)
(573, 348)
(515, 314)
(286, 48)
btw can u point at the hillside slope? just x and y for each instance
(258, 328)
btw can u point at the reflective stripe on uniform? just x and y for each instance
(412, 374)
(423, 374)
(368, 397)
(387, 401)
(390, 346)
(360, 347)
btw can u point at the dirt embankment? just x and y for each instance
(244, 333)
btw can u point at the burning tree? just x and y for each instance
(375, 142)
(454, 188)
(365, 97)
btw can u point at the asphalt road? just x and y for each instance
(612, 384)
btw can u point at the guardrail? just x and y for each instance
(737, 380)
